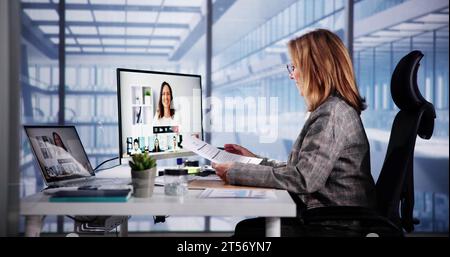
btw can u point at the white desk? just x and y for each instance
(37, 205)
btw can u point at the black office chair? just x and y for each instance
(395, 185)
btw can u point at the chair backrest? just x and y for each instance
(395, 185)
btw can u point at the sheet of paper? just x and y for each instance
(213, 154)
(208, 178)
(237, 193)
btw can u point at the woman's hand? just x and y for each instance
(222, 169)
(237, 149)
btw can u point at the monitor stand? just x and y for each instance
(165, 155)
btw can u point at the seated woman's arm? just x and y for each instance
(317, 156)
(271, 162)
(237, 149)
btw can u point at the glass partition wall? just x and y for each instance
(100, 36)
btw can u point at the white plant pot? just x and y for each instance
(147, 100)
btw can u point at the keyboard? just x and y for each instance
(99, 182)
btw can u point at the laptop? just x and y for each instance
(63, 159)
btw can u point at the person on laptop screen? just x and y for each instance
(165, 115)
(58, 141)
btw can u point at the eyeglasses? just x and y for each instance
(290, 69)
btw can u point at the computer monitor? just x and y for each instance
(157, 110)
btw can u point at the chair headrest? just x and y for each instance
(426, 125)
(404, 90)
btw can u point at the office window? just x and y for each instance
(328, 8)
(383, 76)
(425, 43)
(441, 81)
(266, 66)
(301, 17)
(319, 9)
(40, 80)
(39, 87)
(293, 18)
(366, 8)
(309, 11)
(99, 40)
(287, 26)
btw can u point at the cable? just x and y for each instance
(84, 219)
(107, 168)
(117, 157)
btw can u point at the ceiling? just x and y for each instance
(398, 27)
(169, 29)
(174, 29)
(150, 27)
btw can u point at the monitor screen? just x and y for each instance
(59, 152)
(156, 110)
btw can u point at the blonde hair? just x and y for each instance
(325, 67)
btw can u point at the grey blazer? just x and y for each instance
(329, 164)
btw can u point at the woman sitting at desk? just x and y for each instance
(329, 164)
(165, 114)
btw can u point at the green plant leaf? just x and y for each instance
(142, 162)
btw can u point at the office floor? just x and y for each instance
(199, 234)
(176, 227)
(147, 234)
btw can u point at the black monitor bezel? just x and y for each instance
(119, 70)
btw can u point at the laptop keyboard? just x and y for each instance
(99, 182)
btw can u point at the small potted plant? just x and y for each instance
(143, 174)
(147, 97)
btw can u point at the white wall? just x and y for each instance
(9, 116)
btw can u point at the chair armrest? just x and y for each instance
(338, 212)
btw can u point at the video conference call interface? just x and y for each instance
(158, 111)
(59, 153)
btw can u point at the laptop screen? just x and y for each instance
(59, 151)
